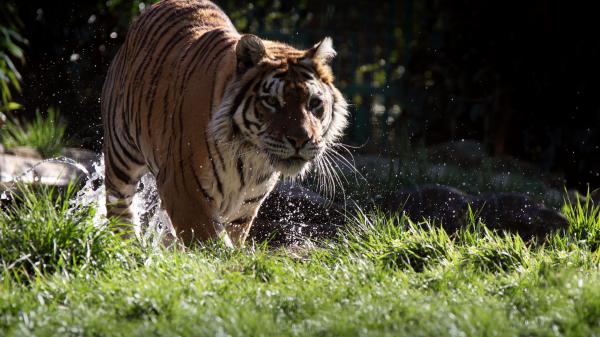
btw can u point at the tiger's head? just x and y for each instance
(286, 105)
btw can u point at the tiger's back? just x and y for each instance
(169, 105)
(160, 62)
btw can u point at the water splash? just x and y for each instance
(151, 222)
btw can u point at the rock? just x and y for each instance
(444, 204)
(55, 172)
(517, 213)
(372, 166)
(84, 157)
(595, 195)
(29, 170)
(25, 152)
(293, 213)
(448, 206)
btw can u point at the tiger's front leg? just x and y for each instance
(239, 229)
(189, 212)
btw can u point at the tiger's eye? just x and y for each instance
(314, 103)
(272, 101)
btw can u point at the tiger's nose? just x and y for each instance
(297, 142)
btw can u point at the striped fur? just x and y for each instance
(217, 117)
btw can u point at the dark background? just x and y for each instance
(519, 77)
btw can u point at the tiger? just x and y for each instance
(216, 116)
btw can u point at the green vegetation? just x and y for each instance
(45, 134)
(11, 54)
(387, 276)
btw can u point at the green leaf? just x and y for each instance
(13, 106)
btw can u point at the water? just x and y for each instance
(151, 222)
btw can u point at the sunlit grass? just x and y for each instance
(386, 276)
(584, 218)
(46, 134)
(41, 233)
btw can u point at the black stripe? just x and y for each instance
(136, 85)
(212, 96)
(165, 111)
(136, 25)
(202, 189)
(181, 163)
(308, 69)
(115, 154)
(244, 114)
(240, 97)
(211, 45)
(120, 174)
(306, 76)
(157, 29)
(240, 221)
(112, 190)
(280, 75)
(130, 150)
(219, 155)
(219, 53)
(204, 42)
(263, 178)
(186, 76)
(214, 168)
(235, 127)
(267, 86)
(199, 46)
(240, 169)
(332, 113)
(157, 71)
(254, 200)
(247, 122)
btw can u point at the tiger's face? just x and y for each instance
(294, 107)
(291, 112)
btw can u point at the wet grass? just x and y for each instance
(387, 276)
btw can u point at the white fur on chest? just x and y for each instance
(230, 205)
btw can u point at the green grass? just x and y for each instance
(388, 276)
(46, 134)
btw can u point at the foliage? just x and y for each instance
(11, 53)
(42, 233)
(45, 134)
(584, 217)
(399, 243)
(387, 276)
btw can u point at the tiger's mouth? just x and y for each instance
(290, 166)
(295, 159)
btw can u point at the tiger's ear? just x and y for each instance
(322, 51)
(249, 51)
